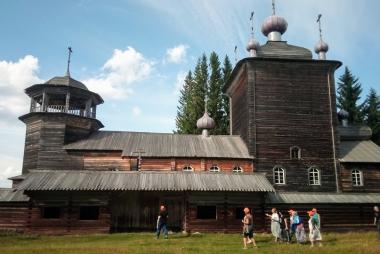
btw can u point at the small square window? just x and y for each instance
(89, 213)
(206, 212)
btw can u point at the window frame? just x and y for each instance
(311, 176)
(239, 169)
(357, 173)
(212, 169)
(278, 167)
(188, 168)
(298, 153)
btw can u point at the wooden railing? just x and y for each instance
(62, 109)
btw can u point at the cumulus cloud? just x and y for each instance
(14, 78)
(177, 54)
(119, 73)
(10, 166)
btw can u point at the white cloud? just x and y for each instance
(179, 82)
(136, 111)
(10, 166)
(14, 78)
(177, 54)
(119, 73)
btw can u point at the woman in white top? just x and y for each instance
(275, 224)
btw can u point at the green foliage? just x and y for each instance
(144, 243)
(207, 80)
(349, 90)
(371, 113)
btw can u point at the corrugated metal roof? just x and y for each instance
(355, 132)
(143, 181)
(322, 198)
(359, 151)
(165, 144)
(12, 195)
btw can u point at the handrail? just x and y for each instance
(62, 109)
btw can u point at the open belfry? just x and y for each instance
(288, 148)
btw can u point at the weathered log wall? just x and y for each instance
(370, 177)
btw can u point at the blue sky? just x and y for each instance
(135, 53)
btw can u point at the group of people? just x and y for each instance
(284, 228)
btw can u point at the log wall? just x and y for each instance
(370, 173)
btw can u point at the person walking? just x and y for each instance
(376, 217)
(275, 224)
(314, 232)
(297, 227)
(248, 228)
(162, 222)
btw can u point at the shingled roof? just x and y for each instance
(280, 49)
(165, 144)
(59, 180)
(364, 151)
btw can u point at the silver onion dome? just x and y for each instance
(252, 45)
(205, 122)
(273, 27)
(321, 46)
(343, 114)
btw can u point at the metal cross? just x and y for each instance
(68, 61)
(319, 23)
(251, 19)
(274, 7)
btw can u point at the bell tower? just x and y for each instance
(62, 110)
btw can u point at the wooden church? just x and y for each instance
(288, 148)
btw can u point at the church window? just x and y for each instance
(237, 169)
(188, 168)
(357, 177)
(279, 175)
(314, 177)
(295, 153)
(214, 168)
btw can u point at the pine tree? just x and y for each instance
(349, 90)
(183, 109)
(372, 114)
(198, 93)
(214, 103)
(227, 70)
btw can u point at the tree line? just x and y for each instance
(210, 75)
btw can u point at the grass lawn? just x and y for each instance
(138, 243)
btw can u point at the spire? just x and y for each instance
(321, 47)
(274, 26)
(252, 45)
(68, 62)
(205, 122)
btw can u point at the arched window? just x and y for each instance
(295, 153)
(188, 168)
(237, 169)
(214, 168)
(357, 177)
(314, 177)
(279, 175)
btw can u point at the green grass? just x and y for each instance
(139, 243)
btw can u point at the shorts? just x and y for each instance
(248, 234)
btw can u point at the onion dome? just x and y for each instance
(273, 27)
(343, 114)
(252, 45)
(321, 46)
(205, 122)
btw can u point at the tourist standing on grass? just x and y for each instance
(248, 228)
(162, 222)
(275, 224)
(317, 216)
(297, 227)
(314, 232)
(376, 215)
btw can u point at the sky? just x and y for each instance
(135, 53)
